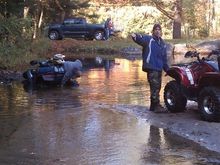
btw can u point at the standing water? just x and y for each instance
(75, 126)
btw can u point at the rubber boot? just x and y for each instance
(152, 106)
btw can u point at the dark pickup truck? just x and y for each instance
(76, 28)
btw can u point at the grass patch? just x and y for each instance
(16, 57)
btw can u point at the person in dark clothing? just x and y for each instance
(107, 29)
(154, 61)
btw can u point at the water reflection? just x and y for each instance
(113, 81)
(153, 153)
(125, 83)
(79, 126)
(98, 62)
(14, 105)
(163, 147)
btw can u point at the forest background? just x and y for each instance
(24, 23)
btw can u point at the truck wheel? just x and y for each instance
(99, 35)
(53, 35)
(174, 99)
(209, 104)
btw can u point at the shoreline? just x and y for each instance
(186, 124)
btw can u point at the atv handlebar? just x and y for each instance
(192, 54)
(214, 52)
(196, 54)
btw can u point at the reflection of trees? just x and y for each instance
(126, 83)
(57, 99)
(98, 62)
(136, 82)
(83, 132)
(57, 121)
(113, 136)
(14, 105)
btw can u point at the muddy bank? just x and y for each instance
(126, 48)
(187, 124)
(72, 46)
(120, 46)
(7, 76)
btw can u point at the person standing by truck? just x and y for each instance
(108, 28)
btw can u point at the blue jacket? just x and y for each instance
(154, 52)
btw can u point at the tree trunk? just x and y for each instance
(25, 14)
(176, 29)
(35, 30)
(38, 19)
(213, 21)
(176, 16)
(26, 11)
(177, 19)
(62, 16)
(62, 11)
(41, 18)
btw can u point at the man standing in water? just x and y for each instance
(154, 61)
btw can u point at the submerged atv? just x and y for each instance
(46, 73)
(197, 81)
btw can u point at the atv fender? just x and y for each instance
(179, 75)
(210, 79)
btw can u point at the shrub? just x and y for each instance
(203, 33)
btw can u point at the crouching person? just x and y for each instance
(72, 70)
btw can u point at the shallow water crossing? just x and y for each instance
(67, 126)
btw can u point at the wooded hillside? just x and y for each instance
(24, 22)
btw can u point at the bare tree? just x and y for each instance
(62, 11)
(170, 8)
(175, 14)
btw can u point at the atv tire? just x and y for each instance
(209, 104)
(174, 99)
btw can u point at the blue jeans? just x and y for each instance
(106, 34)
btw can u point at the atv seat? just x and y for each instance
(44, 64)
(214, 65)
